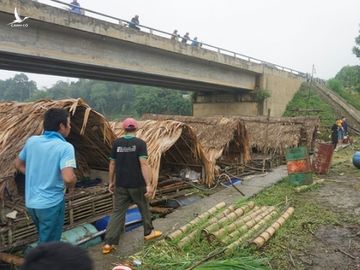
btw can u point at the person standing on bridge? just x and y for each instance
(185, 38)
(48, 161)
(175, 36)
(75, 7)
(134, 23)
(128, 160)
(195, 42)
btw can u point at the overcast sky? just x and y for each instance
(295, 34)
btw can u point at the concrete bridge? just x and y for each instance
(57, 42)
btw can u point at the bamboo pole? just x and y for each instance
(230, 217)
(195, 221)
(266, 235)
(248, 225)
(231, 227)
(306, 187)
(230, 248)
(183, 242)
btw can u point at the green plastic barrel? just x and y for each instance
(298, 179)
(299, 167)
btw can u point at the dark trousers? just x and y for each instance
(124, 197)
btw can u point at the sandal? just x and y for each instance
(106, 249)
(154, 234)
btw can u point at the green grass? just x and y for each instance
(306, 98)
(295, 236)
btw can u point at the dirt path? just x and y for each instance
(335, 244)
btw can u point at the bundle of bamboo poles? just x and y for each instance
(266, 235)
(231, 247)
(221, 218)
(195, 221)
(231, 226)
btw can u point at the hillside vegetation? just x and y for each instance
(306, 100)
(347, 84)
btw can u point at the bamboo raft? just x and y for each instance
(87, 205)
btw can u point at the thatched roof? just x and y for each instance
(170, 143)
(258, 133)
(90, 134)
(275, 134)
(219, 136)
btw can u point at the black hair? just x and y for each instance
(130, 129)
(57, 256)
(54, 117)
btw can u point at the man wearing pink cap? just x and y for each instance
(128, 161)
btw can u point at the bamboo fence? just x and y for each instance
(87, 205)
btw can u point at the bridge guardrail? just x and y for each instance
(220, 50)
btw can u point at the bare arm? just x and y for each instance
(112, 166)
(20, 165)
(145, 172)
(69, 176)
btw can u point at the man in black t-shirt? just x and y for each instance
(132, 185)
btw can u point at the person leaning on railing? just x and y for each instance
(134, 23)
(175, 36)
(75, 7)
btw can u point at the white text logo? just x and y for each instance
(18, 22)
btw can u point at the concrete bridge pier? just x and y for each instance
(281, 87)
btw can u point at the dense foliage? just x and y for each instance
(115, 100)
(347, 84)
(356, 48)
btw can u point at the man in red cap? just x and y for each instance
(132, 184)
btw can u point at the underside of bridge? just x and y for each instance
(58, 42)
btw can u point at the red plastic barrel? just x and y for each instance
(322, 157)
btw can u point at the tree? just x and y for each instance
(356, 48)
(349, 76)
(335, 85)
(18, 88)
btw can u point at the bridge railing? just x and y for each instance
(202, 45)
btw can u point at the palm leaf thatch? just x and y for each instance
(170, 144)
(274, 135)
(261, 134)
(90, 134)
(220, 137)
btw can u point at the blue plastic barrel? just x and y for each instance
(80, 232)
(356, 159)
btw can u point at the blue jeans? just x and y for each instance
(49, 222)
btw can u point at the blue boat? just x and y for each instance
(133, 220)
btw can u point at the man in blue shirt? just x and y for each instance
(48, 161)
